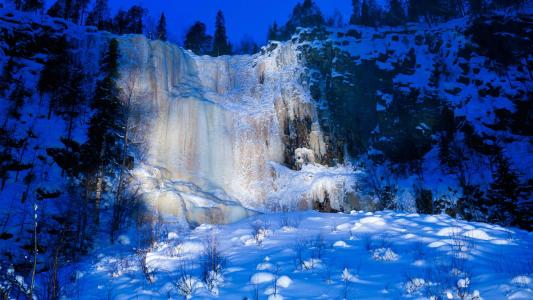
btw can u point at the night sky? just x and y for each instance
(243, 17)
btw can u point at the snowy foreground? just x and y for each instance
(313, 255)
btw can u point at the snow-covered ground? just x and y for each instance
(311, 255)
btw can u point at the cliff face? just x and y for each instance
(431, 110)
(416, 109)
(219, 123)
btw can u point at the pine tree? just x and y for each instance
(71, 98)
(273, 32)
(162, 28)
(197, 40)
(72, 10)
(503, 193)
(6, 79)
(476, 7)
(396, 14)
(131, 21)
(355, 18)
(248, 46)
(52, 74)
(99, 15)
(221, 45)
(135, 17)
(33, 5)
(102, 149)
(336, 19)
(17, 98)
(306, 14)
(370, 13)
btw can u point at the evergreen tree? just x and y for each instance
(99, 15)
(416, 9)
(17, 98)
(72, 10)
(33, 5)
(370, 13)
(162, 28)
(396, 14)
(70, 99)
(336, 19)
(273, 32)
(135, 19)
(52, 74)
(306, 14)
(355, 18)
(102, 148)
(248, 46)
(221, 45)
(197, 40)
(476, 7)
(504, 193)
(6, 79)
(131, 21)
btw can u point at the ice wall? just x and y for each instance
(218, 122)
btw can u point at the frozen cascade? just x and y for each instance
(214, 126)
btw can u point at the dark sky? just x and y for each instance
(243, 17)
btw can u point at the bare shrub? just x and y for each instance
(317, 246)
(287, 220)
(299, 249)
(148, 272)
(185, 283)
(213, 262)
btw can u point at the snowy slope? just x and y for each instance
(384, 255)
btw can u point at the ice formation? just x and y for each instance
(220, 124)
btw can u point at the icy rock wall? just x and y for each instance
(218, 122)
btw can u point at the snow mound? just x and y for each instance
(284, 281)
(340, 244)
(262, 277)
(521, 280)
(478, 234)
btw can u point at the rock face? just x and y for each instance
(218, 123)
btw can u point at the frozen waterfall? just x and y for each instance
(214, 127)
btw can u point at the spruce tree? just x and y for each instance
(221, 45)
(355, 18)
(306, 14)
(162, 28)
(273, 32)
(135, 17)
(476, 7)
(33, 5)
(370, 13)
(396, 14)
(197, 40)
(503, 193)
(6, 79)
(102, 150)
(99, 15)
(53, 73)
(17, 98)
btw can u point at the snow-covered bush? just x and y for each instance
(260, 230)
(12, 284)
(185, 283)
(384, 254)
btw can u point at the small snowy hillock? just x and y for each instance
(311, 255)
